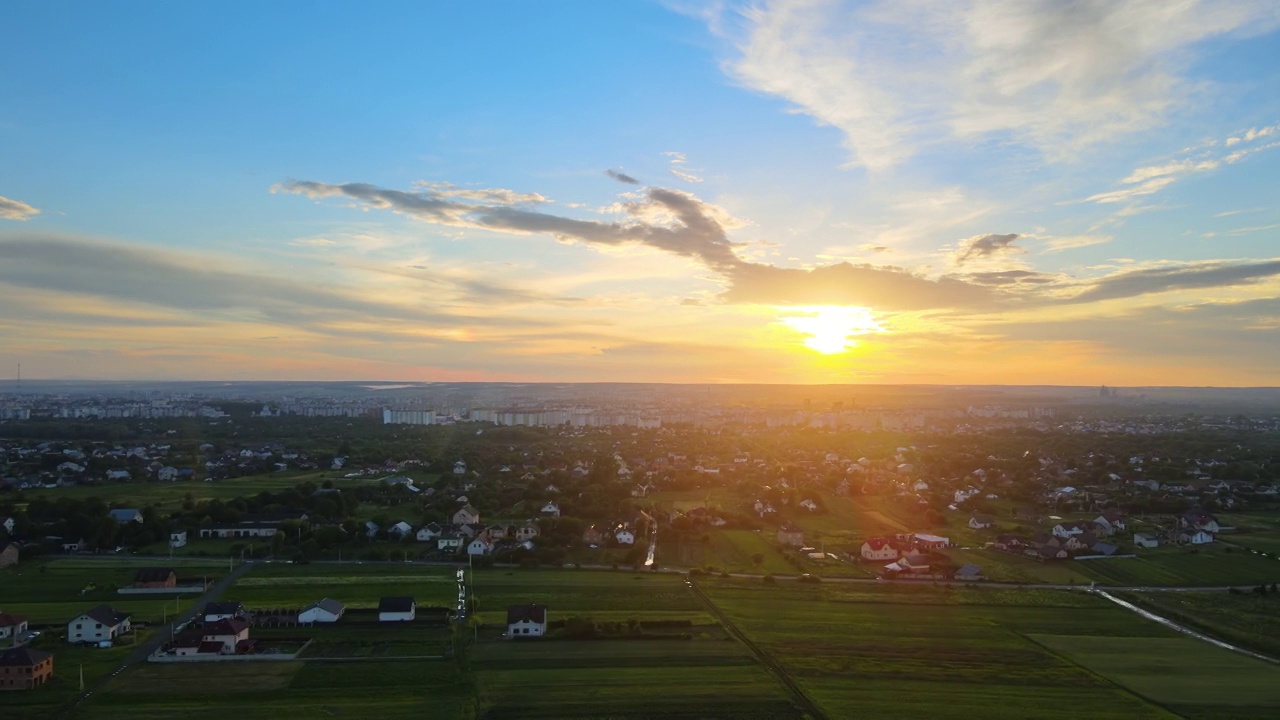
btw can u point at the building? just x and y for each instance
(325, 610)
(396, 609)
(879, 548)
(789, 534)
(126, 515)
(218, 611)
(155, 578)
(232, 634)
(178, 539)
(466, 515)
(243, 530)
(981, 521)
(1143, 540)
(9, 556)
(449, 542)
(25, 668)
(526, 621)
(479, 546)
(100, 623)
(12, 627)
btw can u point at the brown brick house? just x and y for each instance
(24, 668)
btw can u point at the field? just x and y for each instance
(1188, 676)
(913, 652)
(1212, 565)
(357, 585)
(701, 675)
(1247, 620)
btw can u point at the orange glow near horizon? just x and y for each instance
(830, 327)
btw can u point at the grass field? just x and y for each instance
(357, 585)
(1188, 676)
(1204, 566)
(913, 652)
(1247, 620)
(601, 594)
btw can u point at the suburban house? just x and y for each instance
(1195, 537)
(100, 623)
(809, 505)
(155, 578)
(479, 546)
(592, 536)
(1048, 551)
(1145, 541)
(126, 515)
(325, 610)
(396, 609)
(930, 542)
(429, 532)
(1199, 520)
(178, 539)
(215, 611)
(449, 541)
(25, 668)
(1102, 548)
(551, 509)
(879, 548)
(981, 521)
(969, 573)
(466, 515)
(231, 633)
(400, 530)
(528, 531)
(1008, 541)
(11, 628)
(1067, 529)
(1112, 521)
(526, 621)
(789, 534)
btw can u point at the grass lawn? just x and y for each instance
(601, 594)
(1003, 567)
(1179, 671)
(357, 585)
(1203, 566)
(55, 591)
(1247, 620)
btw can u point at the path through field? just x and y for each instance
(1182, 629)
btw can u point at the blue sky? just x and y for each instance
(1037, 192)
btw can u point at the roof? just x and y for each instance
(395, 604)
(106, 615)
(532, 613)
(229, 607)
(329, 605)
(124, 514)
(23, 656)
(969, 570)
(7, 620)
(227, 626)
(211, 647)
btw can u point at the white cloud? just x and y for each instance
(892, 75)
(16, 209)
(1070, 242)
(1253, 134)
(678, 169)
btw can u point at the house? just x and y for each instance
(429, 532)
(592, 536)
(809, 505)
(466, 515)
(1008, 541)
(216, 611)
(449, 541)
(930, 542)
(789, 534)
(1067, 529)
(551, 509)
(155, 578)
(230, 633)
(526, 621)
(12, 627)
(396, 609)
(400, 530)
(879, 548)
(969, 573)
(100, 623)
(1195, 537)
(1048, 552)
(243, 530)
(528, 531)
(25, 668)
(625, 537)
(118, 475)
(914, 561)
(1199, 520)
(324, 610)
(1112, 521)
(167, 473)
(74, 547)
(982, 521)
(1083, 541)
(479, 546)
(178, 539)
(1102, 548)
(919, 485)
(1143, 540)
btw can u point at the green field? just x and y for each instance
(1190, 677)
(357, 585)
(601, 594)
(1212, 565)
(1247, 620)
(865, 652)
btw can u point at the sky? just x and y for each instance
(797, 191)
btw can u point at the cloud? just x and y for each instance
(622, 177)
(1071, 242)
(678, 169)
(16, 209)
(1059, 77)
(1253, 134)
(985, 246)
(845, 283)
(1183, 276)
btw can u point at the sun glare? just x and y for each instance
(830, 328)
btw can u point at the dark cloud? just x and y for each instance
(982, 246)
(1181, 277)
(622, 177)
(1010, 277)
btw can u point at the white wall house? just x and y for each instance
(100, 623)
(326, 610)
(396, 609)
(178, 539)
(526, 621)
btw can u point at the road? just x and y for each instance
(158, 638)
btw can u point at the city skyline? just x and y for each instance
(789, 192)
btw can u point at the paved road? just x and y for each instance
(157, 639)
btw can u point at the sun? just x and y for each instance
(830, 327)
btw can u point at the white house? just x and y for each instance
(118, 475)
(11, 626)
(809, 505)
(448, 541)
(325, 610)
(1199, 537)
(459, 468)
(551, 509)
(981, 521)
(126, 515)
(920, 486)
(625, 537)
(215, 611)
(178, 539)
(429, 532)
(396, 609)
(100, 623)
(1145, 541)
(466, 515)
(400, 530)
(243, 530)
(479, 546)
(526, 532)
(167, 473)
(526, 621)
(229, 633)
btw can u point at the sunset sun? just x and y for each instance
(830, 328)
